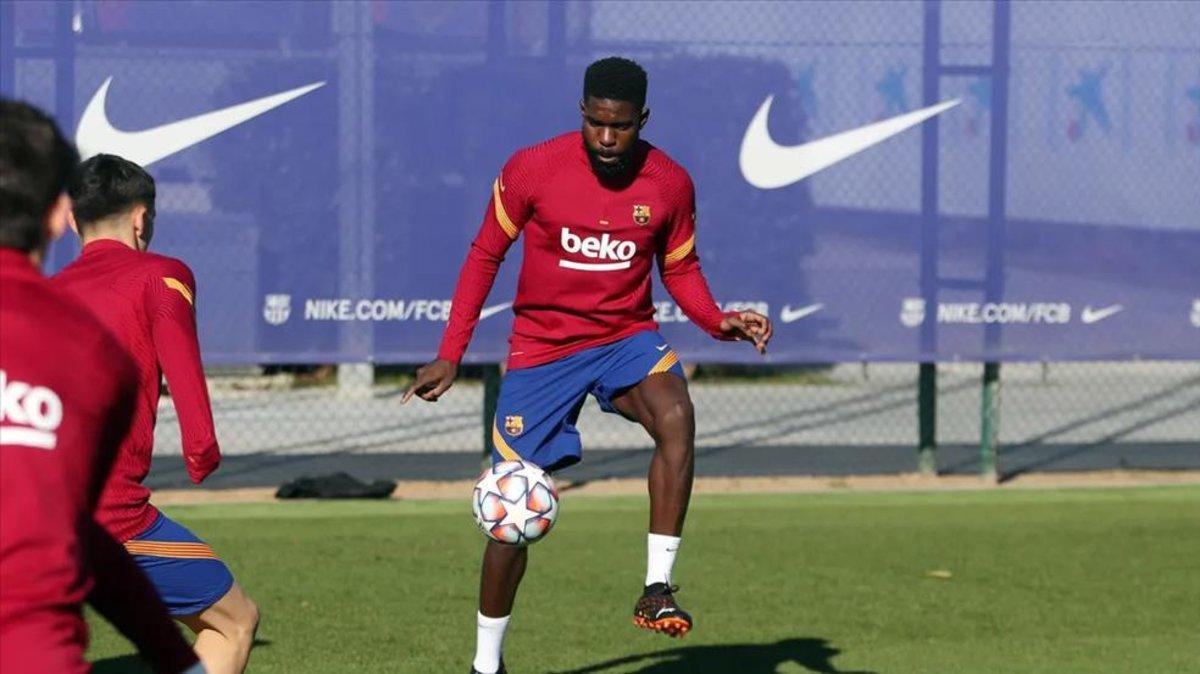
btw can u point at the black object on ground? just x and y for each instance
(338, 485)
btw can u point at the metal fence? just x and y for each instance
(233, 225)
(846, 418)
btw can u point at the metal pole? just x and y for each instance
(556, 37)
(8, 45)
(497, 51)
(64, 67)
(491, 396)
(995, 281)
(355, 60)
(927, 417)
(990, 426)
(64, 250)
(927, 378)
(497, 38)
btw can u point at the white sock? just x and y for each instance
(489, 639)
(660, 558)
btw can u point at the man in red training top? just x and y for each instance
(66, 397)
(147, 302)
(598, 207)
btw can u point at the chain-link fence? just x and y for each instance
(285, 217)
(847, 418)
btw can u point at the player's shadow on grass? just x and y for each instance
(133, 663)
(813, 655)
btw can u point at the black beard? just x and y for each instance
(609, 170)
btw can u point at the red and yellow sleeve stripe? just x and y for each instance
(181, 287)
(506, 222)
(681, 251)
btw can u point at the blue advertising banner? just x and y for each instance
(886, 180)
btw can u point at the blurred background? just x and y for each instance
(1012, 286)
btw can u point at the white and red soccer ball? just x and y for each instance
(515, 503)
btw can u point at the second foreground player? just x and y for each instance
(147, 301)
(66, 397)
(598, 208)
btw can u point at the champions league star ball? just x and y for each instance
(515, 503)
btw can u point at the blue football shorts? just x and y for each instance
(539, 406)
(186, 572)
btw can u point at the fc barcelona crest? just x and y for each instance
(277, 308)
(641, 214)
(514, 424)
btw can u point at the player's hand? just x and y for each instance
(749, 326)
(432, 381)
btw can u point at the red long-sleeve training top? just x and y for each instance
(66, 398)
(147, 302)
(589, 249)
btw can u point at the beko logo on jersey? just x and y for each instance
(29, 415)
(603, 248)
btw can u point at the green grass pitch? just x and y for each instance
(1104, 580)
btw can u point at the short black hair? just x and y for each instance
(36, 161)
(106, 185)
(616, 78)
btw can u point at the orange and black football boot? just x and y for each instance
(657, 611)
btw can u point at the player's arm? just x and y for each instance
(170, 299)
(507, 211)
(124, 596)
(680, 268)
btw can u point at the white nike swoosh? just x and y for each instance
(789, 315)
(97, 135)
(1094, 315)
(769, 165)
(487, 312)
(664, 347)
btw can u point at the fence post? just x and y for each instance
(355, 379)
(927, 419)
(989, 422)
(8, 46)
(927, 379)
(491, 396)
(997, 223)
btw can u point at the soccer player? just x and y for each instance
(598, 208)
(66, 396)
(147, 301)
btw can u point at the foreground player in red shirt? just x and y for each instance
(598, 208)
(66, 396)
(146, 301)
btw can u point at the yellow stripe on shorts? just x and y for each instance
(502, 446)
(665, 363)
(180, 550)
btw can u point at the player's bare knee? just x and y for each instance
(675, 423)
(241, 619)
(250, 617)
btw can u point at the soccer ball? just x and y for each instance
(515, 503)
